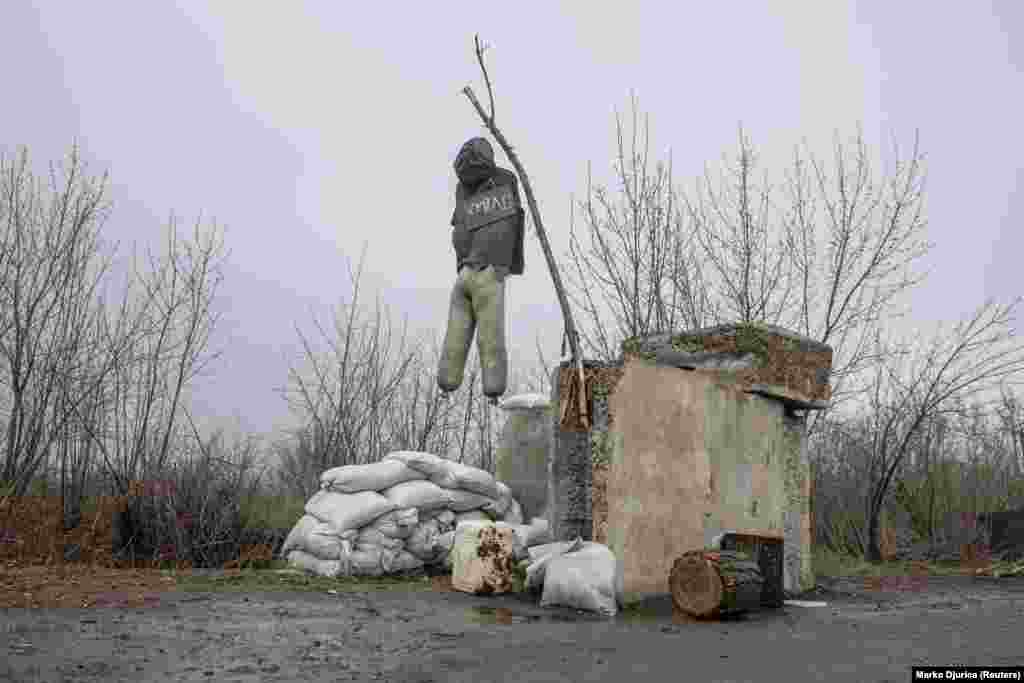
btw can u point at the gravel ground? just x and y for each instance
(420, 635)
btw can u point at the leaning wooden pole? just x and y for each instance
(563, 300)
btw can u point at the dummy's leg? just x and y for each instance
(458, 336)
(489, 308)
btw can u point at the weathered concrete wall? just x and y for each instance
(521, 460)
(692, 457)
(684, 445)
(798, 572)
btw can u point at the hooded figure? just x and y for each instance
(488, 241)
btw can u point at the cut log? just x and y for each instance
(715, 583)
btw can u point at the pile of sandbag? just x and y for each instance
(397, 515)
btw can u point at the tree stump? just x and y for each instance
(715, 583)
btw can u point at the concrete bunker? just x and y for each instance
(691, 435)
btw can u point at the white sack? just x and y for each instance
(584, 579)
(432, 466)
(498, 506)
(446, 521)
(541, 555)
(526, 401)
(444, 516)
(344, 511)
(514, 514)
(464, 501)
(535, 533)
(445, 541)
(317, 538)
(471, 516)
(397, 524)
(472, 479)
(370, 535)
(424, 495)
(372, 477)
(364, 561)
(400, 562)
(310, 563)
(423, 542)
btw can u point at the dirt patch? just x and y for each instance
(82, 586)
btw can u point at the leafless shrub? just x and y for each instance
(638, 273)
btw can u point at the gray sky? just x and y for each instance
(310, 128)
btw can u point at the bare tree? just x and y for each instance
(855, 239)
(51, 267)
(174, 318)
(734, 222)
(346, 394)
(935, 379)
(638, 272)
(1011, 413)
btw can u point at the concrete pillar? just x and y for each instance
(522, 455)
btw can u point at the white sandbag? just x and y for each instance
(446, 521)
(497, 507)
(541, 555)
(400, 562)
(539, 551)
(301, 528)
(526, 401)
(434, 467)
(423, 495)
(423, 542)
(583, 579)
(464, 501)
(317, 538)
(370, 535)
(364, 561)
(445, 541)
(471, 516)
(482, 558)
(314, 565)
(472, 479)
(344, 511)
(539, 532)
(442, 515)
(375, 476)
(535, 533)
(514, 514)
(397, 524)
(370, 560)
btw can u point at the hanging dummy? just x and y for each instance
(488, 242)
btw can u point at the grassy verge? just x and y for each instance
(833, 564)
(279, 577)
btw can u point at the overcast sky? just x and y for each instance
(310, 128)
